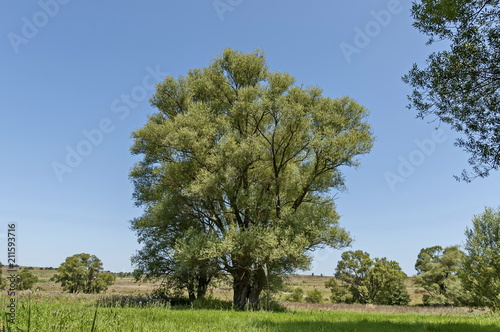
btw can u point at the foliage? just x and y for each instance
(297, 295)
(340, 293)
(239, 162)
(460, 86)
(179, 267)
(437, 272)
(314, 296)
(481, 266)
(25, 280)
(166, 295)
(385, 283)
(352, 271)
(83, 273)
(359, 279)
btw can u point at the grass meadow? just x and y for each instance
(127, 307)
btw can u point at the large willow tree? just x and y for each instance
(237, 171)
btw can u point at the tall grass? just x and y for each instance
(74, 313)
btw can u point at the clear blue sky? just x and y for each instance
(71, 67)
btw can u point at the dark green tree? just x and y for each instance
(386, 283)
(359, 279)
(174, 259)
(340, 293)
(437, 272)
(352, 271)
(481, 266)
(25, 280)
(83, 273)
(244, 159)
(461, 86)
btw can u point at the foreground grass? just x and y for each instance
(63, 313)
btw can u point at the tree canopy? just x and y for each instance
(437, 272)
(481, 266)
(25, 279)
(359, 279)
(83, 273)
(237, 170)
(461, 86)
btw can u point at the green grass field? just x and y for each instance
(44, 311)
(49, 309)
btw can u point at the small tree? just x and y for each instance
(83, 273)
(340, 293)
(180, 268)
(25, 280)
(437, 272)
(359, 279)
(352, 271)
(314, 296)
(481, 266)
(385, 282)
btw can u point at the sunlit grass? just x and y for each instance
(62, 312)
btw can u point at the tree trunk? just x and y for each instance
(203, 282)
(247, 287)
(191, 291)
(241, 287)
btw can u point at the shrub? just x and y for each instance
(340, 293)
(297, 295)
(25, 280)
(314, 296)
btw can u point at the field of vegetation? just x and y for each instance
(126, 306)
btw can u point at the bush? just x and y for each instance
(25, 280)
(296, 296)
(340, 293)
(314, 296)
(166, 295)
